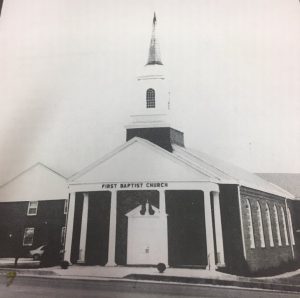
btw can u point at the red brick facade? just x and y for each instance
(272, 253)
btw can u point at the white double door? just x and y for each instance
(144, 241)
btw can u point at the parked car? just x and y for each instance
(37, 253)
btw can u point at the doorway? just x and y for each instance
(186, 228)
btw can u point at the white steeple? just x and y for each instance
(154, 52)
(151, 106)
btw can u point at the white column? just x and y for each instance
(164, 228)
(84, 221)
(211, 263)
(112, 230)
(218, 229)
(70, 223)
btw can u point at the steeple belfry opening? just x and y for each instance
(150, 98)
(154, 51)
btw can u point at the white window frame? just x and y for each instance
(150, 98)
(26, 235)
(269, 225)
(32, 208)
(279, 240)
(250, 225)
(66, 206)
(63, 236)
(290, 223)
(284, 227)
(260, 226)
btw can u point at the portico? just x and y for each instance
(208, 192)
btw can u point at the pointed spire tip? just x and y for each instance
(154, 52)
(154, 18)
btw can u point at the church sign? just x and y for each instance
(134, 185)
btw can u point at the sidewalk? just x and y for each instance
(123, 271)
(107, 272)
(22, 263)
(171, 275)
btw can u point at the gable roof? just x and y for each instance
(38, 164)
(140, 160)
(228, 173)
(36, 183)
(288, 181)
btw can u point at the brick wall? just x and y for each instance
(258, 257)
(47, 224)
(295, 211)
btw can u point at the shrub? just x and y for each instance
(161, 267)
(64, 264)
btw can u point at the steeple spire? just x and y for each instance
(154, 52)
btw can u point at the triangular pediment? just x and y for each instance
(139, 160)
(35, 184)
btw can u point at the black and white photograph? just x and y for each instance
(149, 148)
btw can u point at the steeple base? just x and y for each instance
(164, 137)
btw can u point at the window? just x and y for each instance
(269, 225)
(66, 206)
(260, 226)
(32, 208)
(250, 225)
(279, 241)
(290, 226)
(284, 226)
(63, 235)
(28, 237)
(150, 98)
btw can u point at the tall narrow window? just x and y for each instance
(260, 226)
(28, 237)
(250, 224)
(284, 226)
(32, 208)
(150, 98)
(66, 206)
(279, 241)
(290, 226)
(63, 236)
(269, 225)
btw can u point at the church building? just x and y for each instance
(33, 209)
(153, 200)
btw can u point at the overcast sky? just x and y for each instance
(68, 68)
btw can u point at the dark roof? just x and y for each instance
(288, 181)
